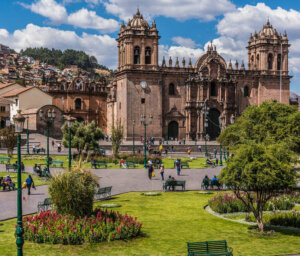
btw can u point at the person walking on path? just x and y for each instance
(150, 170)
(215, 152)
(33, 148)
(178, 166)
(189, 150)
(29, 183)
(162, 171)
(200, 149)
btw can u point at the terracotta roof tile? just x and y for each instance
(16, 92)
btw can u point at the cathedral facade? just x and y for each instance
(181, 100)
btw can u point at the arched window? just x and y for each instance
(136, 55)
(246, 91)
(148, 55)
(279, 62)
(78, 104)
(270, 61)
(252, 59)
(213, 89)
(171, 89)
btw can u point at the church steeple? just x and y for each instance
(138, 44)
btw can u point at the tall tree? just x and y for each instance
(8, 139)
(116, 137)
(257, 172)
(83, 137)
(264, 140)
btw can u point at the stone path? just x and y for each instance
(121, 180)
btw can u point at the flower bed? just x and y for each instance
(288, 219)
(228, 203)
(49, 227)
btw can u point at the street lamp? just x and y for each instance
(48, 118)
(19, 120)
(205, 112)
(133, 123)
(70, 121)
(221, 118)
(27, 140)
(143, 122)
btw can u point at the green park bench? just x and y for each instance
(40, 150)
(185, 164)
(4, 159)
(12, 167)
(130, 164)
(103, 193)
(46, 205)
(98, 164)
(57, 163)
(207, 248)
(173, 184)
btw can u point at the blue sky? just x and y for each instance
(185, 26)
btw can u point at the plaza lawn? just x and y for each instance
(37, 181)
(169, 221)
(31, 160)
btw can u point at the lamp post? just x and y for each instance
(143, 122)
(48, 118)
(221, 118)
(133, 123)
(19, 120)
(27, 142)
(205, 112)
(70, 122)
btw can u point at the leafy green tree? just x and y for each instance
(8, 139)
(257, 172)
(271, 122)
(72, 192)
(83, 137)
(116, 137)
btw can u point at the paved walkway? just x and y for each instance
(121, 180)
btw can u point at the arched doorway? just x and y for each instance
(2, 124)
(213, 128)
(173, 130)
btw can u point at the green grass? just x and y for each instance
(37, 181)
(169, 221)
(168, 162)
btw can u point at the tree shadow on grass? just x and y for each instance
(268, 231)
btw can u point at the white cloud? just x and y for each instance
(101, 46)
(89, 19)
(82, 18)
(50, 9)
(186, 42)
(178, 9)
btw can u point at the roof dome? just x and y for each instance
(138, 21)
(268, 31)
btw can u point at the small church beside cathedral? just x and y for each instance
(182, 100)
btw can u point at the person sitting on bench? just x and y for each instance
(2, 183)
(214, 181)
(9, 183)
(38, 169)
(205, 181)
(123, 163)
(210, 162)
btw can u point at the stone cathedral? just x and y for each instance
(176, 92)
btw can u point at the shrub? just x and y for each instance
(72, 192)
(50, 227)
(229, 203)
(137, 158)
(288, 219)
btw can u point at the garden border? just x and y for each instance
(218, 215)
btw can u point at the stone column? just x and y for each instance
(142, 54)
(154, 54)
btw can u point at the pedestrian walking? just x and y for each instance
(33, 148)
(29, 183)
(150, 170)
(172, 149)
(215, 152)
(52, 144)
(162, 171)
(200, 149)
(189, 150)
(178, 166)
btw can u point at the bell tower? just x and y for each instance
(138, 44)
(268, 50)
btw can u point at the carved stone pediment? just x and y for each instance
(174, 114)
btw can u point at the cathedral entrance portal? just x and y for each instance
(213, 124)
(173, 130)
